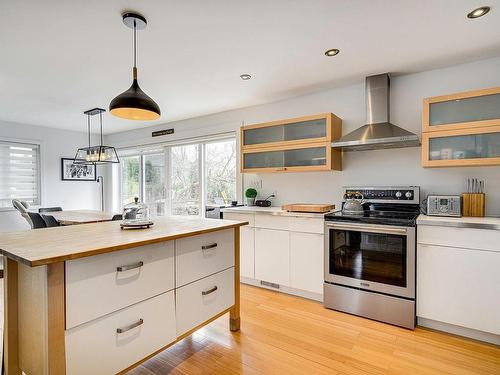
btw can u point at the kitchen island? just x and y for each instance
(96, 299)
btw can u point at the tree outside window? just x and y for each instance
(144, 175)
(220, 159)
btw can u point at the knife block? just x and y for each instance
(473, 204)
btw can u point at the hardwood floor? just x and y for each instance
(281, 334)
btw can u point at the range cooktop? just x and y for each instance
(384, 205)
(401, 218)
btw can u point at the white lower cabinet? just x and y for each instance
(459, 286)
(285, 250)
(306, 261)
(97, 348)
(126, 305)
(272, 256)
(247, 252)
(200, 256)
(101, 284)
(199, 301)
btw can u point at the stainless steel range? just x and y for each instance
(370, 254)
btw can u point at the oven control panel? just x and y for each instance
(381, 194)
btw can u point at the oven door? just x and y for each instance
(379, 258)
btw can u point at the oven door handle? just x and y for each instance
(369, 228)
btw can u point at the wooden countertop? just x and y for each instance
(72, 217)
(38, 247)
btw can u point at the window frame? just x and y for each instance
(166, 148)
(39, 175)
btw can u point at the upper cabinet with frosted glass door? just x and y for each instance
(461, 129)
(292, 145)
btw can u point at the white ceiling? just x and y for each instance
(59, 58)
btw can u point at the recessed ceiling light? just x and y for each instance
(245, 77)
(478, 12)
(332, 52)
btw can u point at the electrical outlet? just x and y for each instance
(257, 184)
(275, 193)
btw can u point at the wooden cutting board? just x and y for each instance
(306, 207)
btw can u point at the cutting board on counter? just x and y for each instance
(307, 207)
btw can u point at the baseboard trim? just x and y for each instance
(460, 331)
(284, 289)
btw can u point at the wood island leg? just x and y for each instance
(10, 335)
(234, 313)
(56, 318)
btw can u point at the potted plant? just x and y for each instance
(250, 195)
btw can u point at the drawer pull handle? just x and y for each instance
(207, 292)
(208, 247)
(129, 266)
(129, 327)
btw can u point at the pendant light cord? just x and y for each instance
(135, 50)
(88, 127)
(100, 120)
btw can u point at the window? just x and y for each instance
(180, 179)
(154, 183)
(185, 176)
(220, 162)
(130, 178)
(19, 173)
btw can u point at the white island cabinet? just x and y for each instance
(458, 276)
(281, 250)
(95, 299)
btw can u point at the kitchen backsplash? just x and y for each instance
(381, 167)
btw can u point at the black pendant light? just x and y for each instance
(100, 154)
(134, 104)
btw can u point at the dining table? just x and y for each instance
(73, 217)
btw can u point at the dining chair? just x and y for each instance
(36, 220)
(49, 209)
(50, 221)
(117, 217)
(22, 207)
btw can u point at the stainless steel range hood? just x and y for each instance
(378, 133)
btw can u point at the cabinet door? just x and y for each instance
(459, 286)
(299, 158)
(463, 110)
(272, 256)
(315, 128)
(479, 146)
(306, 261)
(247, 252)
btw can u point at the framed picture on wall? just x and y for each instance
(77, 172)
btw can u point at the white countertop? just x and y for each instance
(492, 223)
(272, 211)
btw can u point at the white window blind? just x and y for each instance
(19, 173)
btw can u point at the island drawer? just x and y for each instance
(199, 256)
(101, 284)
(98, 348)
(199, 301)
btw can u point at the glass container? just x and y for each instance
(136, 212)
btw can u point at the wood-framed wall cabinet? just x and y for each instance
(293, 145)
(461, 129)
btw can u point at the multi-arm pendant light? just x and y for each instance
(96, 154)
(134, 104)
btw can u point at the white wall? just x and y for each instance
(54, 144)
(392, 167)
